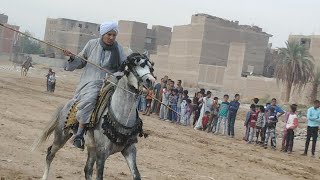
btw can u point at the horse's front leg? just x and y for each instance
(92, 156)
(88, 169)
(130, 154)
(101, 155)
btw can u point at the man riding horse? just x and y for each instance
(104, 51)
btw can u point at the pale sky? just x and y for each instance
(277, 17)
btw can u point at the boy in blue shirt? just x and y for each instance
(313, 116)
(233, 109)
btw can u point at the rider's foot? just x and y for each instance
(78, 139)
(79, 143)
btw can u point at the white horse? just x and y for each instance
(121, 109)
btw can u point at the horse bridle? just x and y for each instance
(135, 73)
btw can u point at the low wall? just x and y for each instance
(51, 62)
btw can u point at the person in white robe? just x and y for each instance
(206, 106)
(105, 52)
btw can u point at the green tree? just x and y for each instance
(29, 46)
(315, 85)
(294, 68)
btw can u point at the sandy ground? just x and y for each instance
(170, 152)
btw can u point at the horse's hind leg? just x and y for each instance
(59, 141)
(129, 154)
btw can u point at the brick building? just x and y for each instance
(198, 52)
(69, 34)
(7, 37)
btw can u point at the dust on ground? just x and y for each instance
(170, 151)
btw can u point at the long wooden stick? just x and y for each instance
(57, 47)
(82, 58)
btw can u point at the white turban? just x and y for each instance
(107, 27)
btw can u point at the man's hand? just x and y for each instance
(67, 53)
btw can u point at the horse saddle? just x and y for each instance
(103, 100)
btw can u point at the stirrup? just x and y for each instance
(79, 143)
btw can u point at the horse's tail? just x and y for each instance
(48, 130)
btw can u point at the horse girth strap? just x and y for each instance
(103, 101)
(118, 133)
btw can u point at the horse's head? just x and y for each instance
(139, 70)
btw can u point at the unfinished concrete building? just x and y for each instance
(198, 53)
(7, 36)
(138, 37)
(69, 34)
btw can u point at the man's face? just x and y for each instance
(209, 95)
(226, 98)
(178, 83)
(316, 105)
(237, 98)
(274, 102)
(109, 38)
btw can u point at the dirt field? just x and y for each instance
(170, 152)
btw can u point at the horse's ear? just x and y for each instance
(123, 66)
(129, 50)
(152, 63)
(146, 53)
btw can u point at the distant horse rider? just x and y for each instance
(26, 65)
(105, 52)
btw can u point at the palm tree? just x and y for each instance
(294, 67)
(315, 85)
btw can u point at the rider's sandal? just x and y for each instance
(79, 143)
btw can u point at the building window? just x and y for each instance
(305, 42)
(250, 69)
(148, 40)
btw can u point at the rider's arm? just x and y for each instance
(76, 62)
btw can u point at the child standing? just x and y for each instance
(186, 110)
(233, 109)
(165, 101)
(291, 125)
(148, 101)
(223, 114)
(205, 120)
(206, 106)
(251, 121)
(261, 123)
(313, 116)
(214, 115)
(173, 100)
(272, 120)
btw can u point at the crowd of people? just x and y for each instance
(207, 113)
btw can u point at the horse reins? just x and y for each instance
(82, 58)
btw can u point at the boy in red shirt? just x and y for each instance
(148, 101)
(205, 120)
(251, 121)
